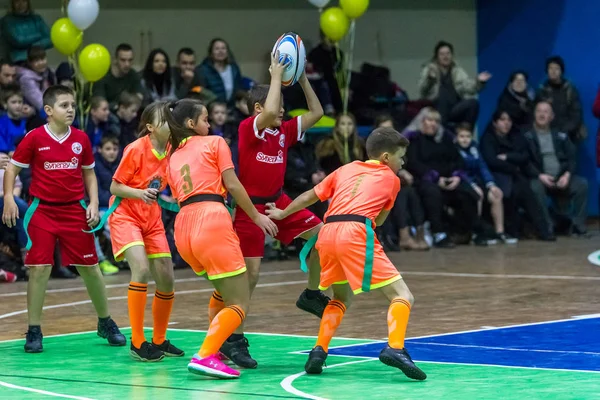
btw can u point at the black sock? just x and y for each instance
(235, 337)
(34, 326)
(312, 294)
(104, 319)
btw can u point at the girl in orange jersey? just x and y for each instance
(200, 174)
(138, 235)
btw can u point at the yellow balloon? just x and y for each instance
(334, 23)
(354, 8)
(94, 62)
(65, 36)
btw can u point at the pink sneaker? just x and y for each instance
(6, 276)
(211, 366)
(221, 357)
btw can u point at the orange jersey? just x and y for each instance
(197, 167)
(141, 167)
(360, 188)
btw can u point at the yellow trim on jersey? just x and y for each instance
(158, 155)
(373, 162)
(380, 284)
(227, 274)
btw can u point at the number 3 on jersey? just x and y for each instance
(187, 179)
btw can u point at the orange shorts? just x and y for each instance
(206, 240)
(341, 247)
(126, 232)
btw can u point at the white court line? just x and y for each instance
(28, 389)
(470, 346)
(76, 303)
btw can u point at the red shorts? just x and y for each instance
(65, 224)
(252, 239)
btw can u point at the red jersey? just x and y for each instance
(262, 155)
(55, 163)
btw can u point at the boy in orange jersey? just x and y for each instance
(200, 174)
(352, 259)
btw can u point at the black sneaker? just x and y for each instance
(237, 351)
(316, 360)
(146, 353)
(507, 239)
(108, 329)
(315, 306)
(444, 243)
(33, 340)
(169, 350)
(482, 240)
(401, 359)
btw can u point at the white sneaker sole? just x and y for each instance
(198, 369)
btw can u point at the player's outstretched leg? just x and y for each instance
(236, 294)
(236, 346)
(162, 272)
(36, 292)
(395, 354)
(332, 318)
(94, 282)
(312, 300)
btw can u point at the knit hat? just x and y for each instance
(64, 72)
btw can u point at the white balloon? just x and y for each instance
(83, 13)
(319, 3)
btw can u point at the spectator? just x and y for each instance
(35, 77)
(437, 168)
(221, 72)
(99, 122)
(482, 181)
(21, 205)
(505, 151)
(184, 74)
(13, 125)
(120, 78)
(157, 78)
(21, 28)
(217, 115)
(564, 98)
(125, 118)
(326, 60)
(8, 75)
(240, 112)
(64, 75)
(517, 100)
(448, 86)
(552, 169)
(343, 147)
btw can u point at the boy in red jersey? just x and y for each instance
(362, 195)
(62, 164)
(264, 140)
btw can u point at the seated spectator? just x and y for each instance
(220, 71)
(407, 210)
(217, 116)
(125, 118)
(157, 78)
(185, 77)
(564, 98)
(35, 77)
(327, 60)
(240, 111)
(120, 78)
(437, 168)
(65, 75)
(98, 121)
(8, 75)
(482, 181)
(343, 147)
(13, 125)
(517, 101)
(448, 86)
(22, 28)
(552, 170)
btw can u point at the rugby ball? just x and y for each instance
(291, 49)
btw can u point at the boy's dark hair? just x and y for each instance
(185, 50)
(543, 101)
(464, 126)
(123, 47)
(441, 44)
(381, 118)
(109, 139)
(383, 140)
(53, 92)
(258, 94)
(10, 91)
(96, 102)
(35, 53)
(127, 99)
(241, 95)
(214, 104)
(5, 62)
(558, 60)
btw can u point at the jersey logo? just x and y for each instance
(51, 166)
(278, 159)
(155, 183)
(44, 148)
(77, 148)
(282, 140)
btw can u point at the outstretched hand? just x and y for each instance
(273, 212)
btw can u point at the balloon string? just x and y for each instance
(349, 65)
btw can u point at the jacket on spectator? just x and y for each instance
(563, 147)
(23, 31)
(301, 165)
(568, 115)
(95, 132)
(475, 168)
(465, 87)
(11, 131)
(519, 107)
(151, 93)
(104, 174)
(214, 82)
(432, 157)
(33, 85)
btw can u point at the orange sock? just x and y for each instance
(332, 318)
(397, 320)
(215, 305)
(136, 302)
(161, 312)
(224, 324)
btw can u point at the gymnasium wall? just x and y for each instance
(515, 34)
(398, 34)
